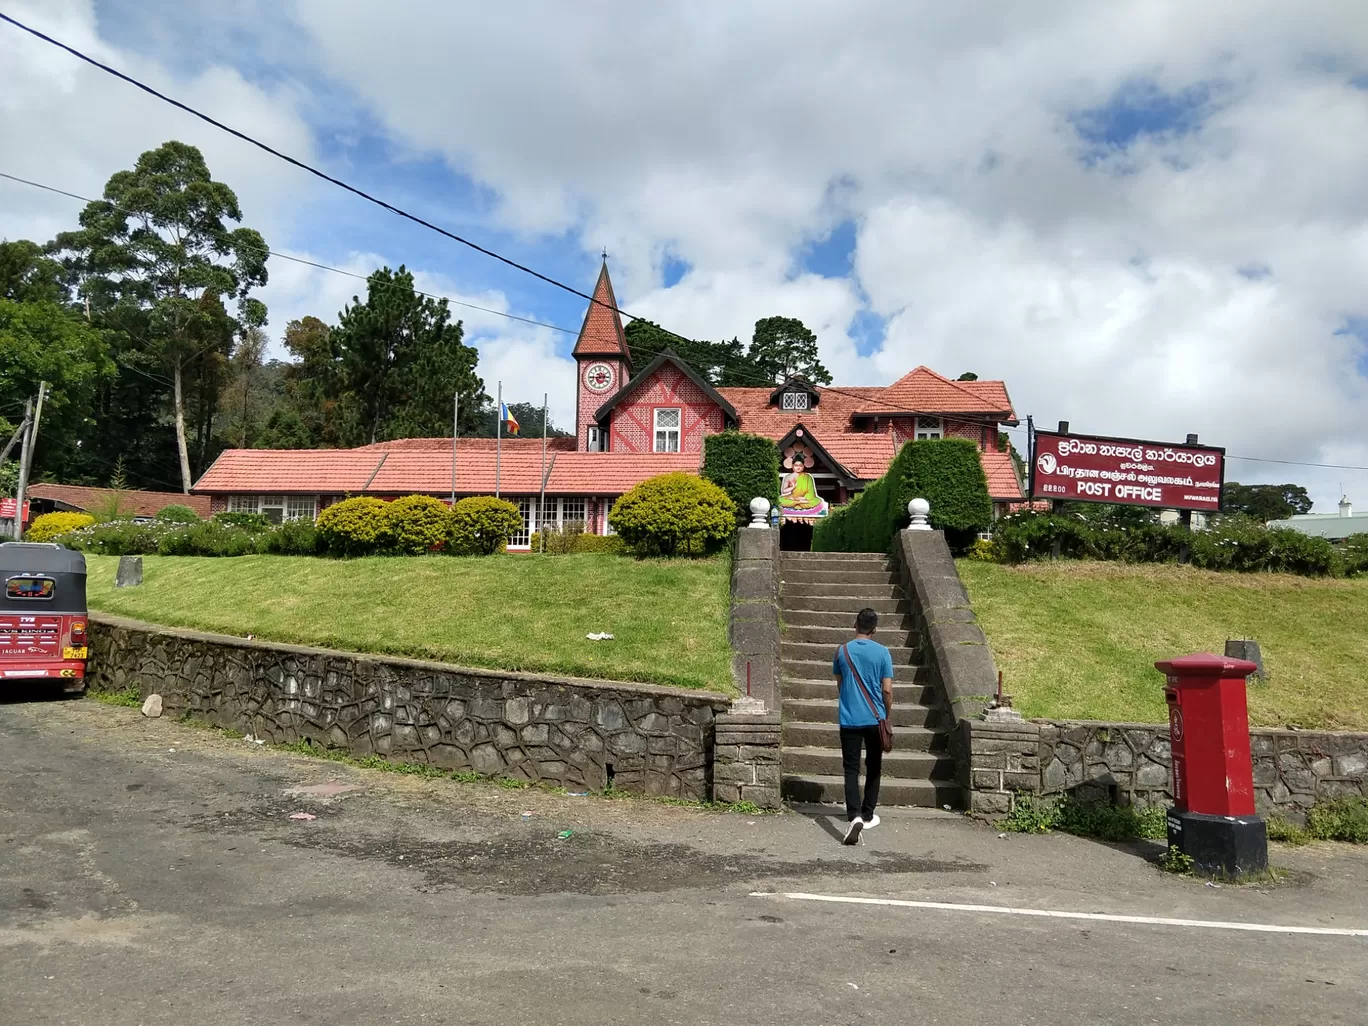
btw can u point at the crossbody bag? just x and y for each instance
(885, 727)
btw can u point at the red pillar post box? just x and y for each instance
(1212, 819)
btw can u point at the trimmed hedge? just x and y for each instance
(744, 466)
(48, 526)
(481, 525)
(359, 526)
(674, 514)
(946, 472)
(571, 541)
(1234, 543)
(420, 524)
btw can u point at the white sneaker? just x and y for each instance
(852, 834)
(872, 822)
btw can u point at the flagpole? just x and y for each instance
(455, 422)
(541, 507)
(498, 438)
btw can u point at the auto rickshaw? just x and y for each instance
(43, 625)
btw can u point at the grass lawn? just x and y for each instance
(1078, 640)
(512, 612)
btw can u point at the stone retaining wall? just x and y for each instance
(567, 731)
(747, 764)
(1130, 763)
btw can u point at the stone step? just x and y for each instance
(865, 591)
(820, 650)
(846, 605)
(830, 790)
(819, 669)
(792, 575)
(892, 631)
(825, 710)
(845, 621)
(845, 557)
(897, 764)
(828, 735)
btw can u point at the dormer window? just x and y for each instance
(794, 400)
(929, 427)
(795, 395)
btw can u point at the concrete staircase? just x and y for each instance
(820, 593)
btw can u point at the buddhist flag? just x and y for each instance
(510, 421)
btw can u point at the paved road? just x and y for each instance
(150, 873)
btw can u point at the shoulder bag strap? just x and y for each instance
(859, 679)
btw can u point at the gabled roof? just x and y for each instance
(516, 443)
(297, 471)
(613, 473)
(867, 456)
(671, 357)
(427, 471)
(601, 334)
(998, 468)
(133, 501)
(830, 416)
(797, 383)
(842, 472)
(924, 391)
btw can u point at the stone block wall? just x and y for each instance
(566, 731)
(1129, 763)
(753, 625)
(746, 760)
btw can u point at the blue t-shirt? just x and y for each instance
(874, 663)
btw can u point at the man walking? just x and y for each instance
(856, 666)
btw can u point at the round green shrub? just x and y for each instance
(360, 526)
(420, 524)
(48, 526)
(292, 538)
(674, 513)
(177, 514)
(481, 525)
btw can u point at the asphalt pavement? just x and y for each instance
(155, 872)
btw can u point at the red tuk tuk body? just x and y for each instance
(44, 632)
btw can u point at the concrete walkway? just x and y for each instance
(150, 872)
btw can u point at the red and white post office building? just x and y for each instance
(633, 423)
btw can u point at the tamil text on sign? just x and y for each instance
(1088, 468)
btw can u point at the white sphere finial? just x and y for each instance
(760, 508)
(919, 510)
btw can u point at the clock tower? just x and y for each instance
(603, 362)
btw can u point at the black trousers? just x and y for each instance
(852, 740)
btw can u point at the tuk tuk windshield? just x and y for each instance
(30, 587)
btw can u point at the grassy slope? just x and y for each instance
(1079, 640)
(509, 612)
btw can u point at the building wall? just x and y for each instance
(905, 430)
(633, 420)
(589, 400)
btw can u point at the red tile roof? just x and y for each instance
(407, 472)
(924, 391)
(282, 471)
(1001, 474)
(601, 334)
(132, 501)
(612, 473)
(830, 416)
(866, 456)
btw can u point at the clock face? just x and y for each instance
(599, 377)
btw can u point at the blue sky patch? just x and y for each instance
(672, 270)
(832, 256)
(1254, 272)
(1141, 108)
(867, 330)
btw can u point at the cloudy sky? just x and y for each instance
(1149, 218)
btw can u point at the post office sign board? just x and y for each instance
(1127, 471)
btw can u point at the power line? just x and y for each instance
(302, 260)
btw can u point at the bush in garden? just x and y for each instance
(292, 538)
(117, 538)
(48, 526)
(674, 513)
(359, 526)
(207, 538)
(249, 521)
(177, 514)
(559, 541)
(481, 525)
(600, 543)
(1355, 555)
(420, 524)
(744, 466)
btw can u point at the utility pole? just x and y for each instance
(31, 418)
(455, 422)
(541, 504)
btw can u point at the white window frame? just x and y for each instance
(930, 427)
(593, 439)
(244, 503)
(662, 437)
(273, 508)
(522, 538)
(301, 507)
(565, 515)
(794, 401)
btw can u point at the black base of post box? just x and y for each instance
(1228, 845)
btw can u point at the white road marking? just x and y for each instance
(1046, 913)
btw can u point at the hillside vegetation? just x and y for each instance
(1079, 640)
